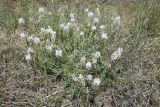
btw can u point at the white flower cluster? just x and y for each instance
(88, 65)
(72, 18)
(96, 29)
(117, 20)
(49, 47)
(65, 26)
(96, 55)
(82, 79)
(90, 14)
(58, 53)
(29, 38)
(48, 31)
(69, 24)
(104, 36)
(41, 10)
(117, 54)
(28, 57)
(21, 21)
(22, 35)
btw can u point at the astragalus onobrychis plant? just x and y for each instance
(84, 50)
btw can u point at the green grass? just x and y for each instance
(131, 80)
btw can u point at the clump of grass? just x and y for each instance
(78, 48)
(88, 49)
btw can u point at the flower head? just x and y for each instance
(88, 65)
(93, 27)
(117, 20)
(83, 60)
(30, 38)
(75, 78)
(89, 77)
(117, 54)
(29, 50)
(96, 82)
(36, 40)
(66, 27)
(90, 14)
(41, 10)
(104, 36)
(81, 33)
(72, 19)
(71, 15)
(21, 21)
(22, 35)
(96, 20)
(97, 54)
(86, 10)
(102, 27)
(28, 57)
(58, 53)
(94, 60)
(62, 25)
(81, 79)
(49, 47)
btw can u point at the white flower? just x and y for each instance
(104, 36)
(49, 13)
(93, 27)
(89, 77)
(96, 82)
(22, 35)
(36, 40)
(81, 33)
(75, 78)
(97, 54)
(72, 19)
(41, 10)
(88, 65)
(117, 20)
(72, 15)
(94, 60)
(102, 27)
(62, 25)
(81, 79)
(86, 10)
(29, 50)
(83, 60)
(117, 54)
(53, 32)
(48, 47)
(21, 21)
(53, 37)
(48, 30)
(81, 76)
(43, 30)
(96, 20)
(66, 27)
(30, 38)
(90, 14)
(58, 53)
(69, 24)
(28, 57)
